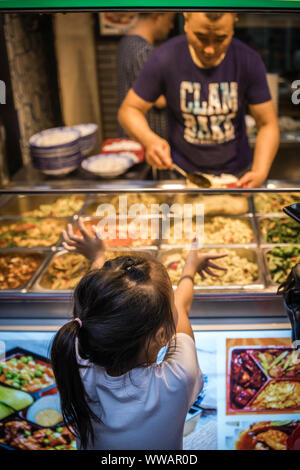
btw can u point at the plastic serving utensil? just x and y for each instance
(197, 178)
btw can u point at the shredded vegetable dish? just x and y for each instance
(65, 271)
(31, 232)
(25, 373)
(16, 270)
(62, 207)
(240, 270)
(274, 202)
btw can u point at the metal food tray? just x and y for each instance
(36, 286)
(249, 212)
(248, 218)
(18, 251)
(93, 202)
(249, 250)
(261, 239)
(268, 214)
(267, 379)
(53, 247)
(266, 249)
(18, 204)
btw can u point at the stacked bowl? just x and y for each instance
(56, 151)
(60, 150)
(88, 137)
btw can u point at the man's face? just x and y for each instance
(209, 39)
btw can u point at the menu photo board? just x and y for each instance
(250, 398)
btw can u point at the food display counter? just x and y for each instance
(250, 398)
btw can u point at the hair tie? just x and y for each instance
(78, 321)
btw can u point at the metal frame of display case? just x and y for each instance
(209, 306)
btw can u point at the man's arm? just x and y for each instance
(267, 143)
(132, 118)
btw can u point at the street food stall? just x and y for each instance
(237, 317)
(251, 369)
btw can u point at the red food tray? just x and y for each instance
(263, 377)
(139, 153)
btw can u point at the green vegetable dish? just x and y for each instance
(280, 230)
(281, 260)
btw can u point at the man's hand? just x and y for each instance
(252, 179)
(158, 154)
(91, 247)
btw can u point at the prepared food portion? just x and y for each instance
(241, 269)
(31, 232)
(25, 373)
(217, 230)
(147, 199)
(62, 207)
(16, 270)
(280, 230)
(25, 436)
(267, 435)
(282, 395)
(119, 234)
(246, 379)
(215, 204)
(274, 202)
(65, 271)
(279, 363)
(281, 260)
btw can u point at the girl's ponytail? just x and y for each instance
(75, 409)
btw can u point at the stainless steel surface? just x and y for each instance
(121, 186)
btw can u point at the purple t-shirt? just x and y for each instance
(206, 107)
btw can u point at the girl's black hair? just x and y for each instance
(121, 307)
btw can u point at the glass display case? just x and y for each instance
(260, 242)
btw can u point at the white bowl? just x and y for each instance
(47, 402)
(108, 165)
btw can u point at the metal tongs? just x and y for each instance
(197, 178)
(290, 289)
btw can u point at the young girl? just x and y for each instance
(113, 393)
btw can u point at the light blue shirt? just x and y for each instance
(146, 408)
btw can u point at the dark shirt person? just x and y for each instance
(208, 79)
(133, 51)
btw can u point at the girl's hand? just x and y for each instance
(92, 248)
(197, 262)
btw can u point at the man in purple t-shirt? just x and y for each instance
(208, 79)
